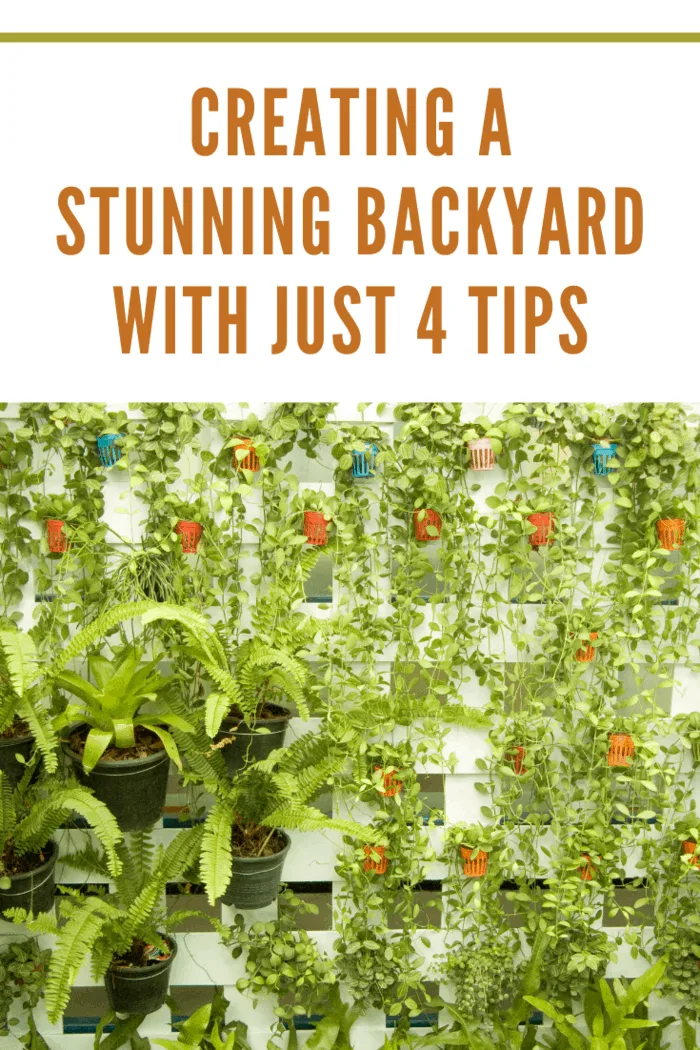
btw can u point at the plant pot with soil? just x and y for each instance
(190, 533)
(427, 525)
(138, 980)
(241, 742)
(245, 456)
(258, 856)
(621, 750)
(57, 513)
(375, 859)
(16, 748)
(481, 455)
(586, 652)
(544, 526)
(670, 532)
(108, 450)
(118, 742)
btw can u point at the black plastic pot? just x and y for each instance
(34, 890)
(255, 880)
(11, 769)
(133, 789)
(249, 744)
(139, 989)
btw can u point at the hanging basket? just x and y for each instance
(381, 865)
(190, 533)
(420, 525)
(688, 847)
(621, 750)
(364, 463)
(250, 461)
(392, 785)
(544, 526)
(670, 532)
(602, 454)
(516, 758)
(586, 653)
(481, 454)
(474, 867)
(108, 452)
(587, 870)
(55, 536)
(315, 528)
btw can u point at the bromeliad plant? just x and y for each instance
(117, 929)
(114, 707)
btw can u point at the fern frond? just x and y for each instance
(182, 852)
(87, 859)
(75, 941)
(42, 820)
(44, 922)
(42, 729)
(216, 708)
(296, 817)
(215, 864)
(21, 659)
(96, 630)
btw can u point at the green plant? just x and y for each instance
(282, 960)
(24, 694)
(266, 796)
(121, 925)
(23, 966)
(207, 1028)
(30, 815)
(608, 1012)
(114, 706)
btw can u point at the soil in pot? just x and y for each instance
(240, 743)
(258, 857)
(137, 982)
(32, 879)
(131, 781)
(14, 740)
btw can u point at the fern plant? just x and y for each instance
(272, 794)
(24, 691)
(29, 816)
(111, 927)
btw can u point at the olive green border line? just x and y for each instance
(349, 38)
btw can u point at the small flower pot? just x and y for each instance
(381, 865)
(12, 770)
(255, 880)
(33, 890)
(108, 452)
(392, 785)
(364, 461)
(55, 536)
(621, 750)
(139, 989)
(422, 519)
(695, 751)
(250, 461)
(516, 757)
(670, 532)
(481, 454)
(544, 529)
(602, 454)
(247, 743)
(475, 865)
(315, 528)
(190, 533)
(586, 653)
(688, 849)
(587, 870)
(134, 789)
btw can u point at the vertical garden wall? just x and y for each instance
(482, 622)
